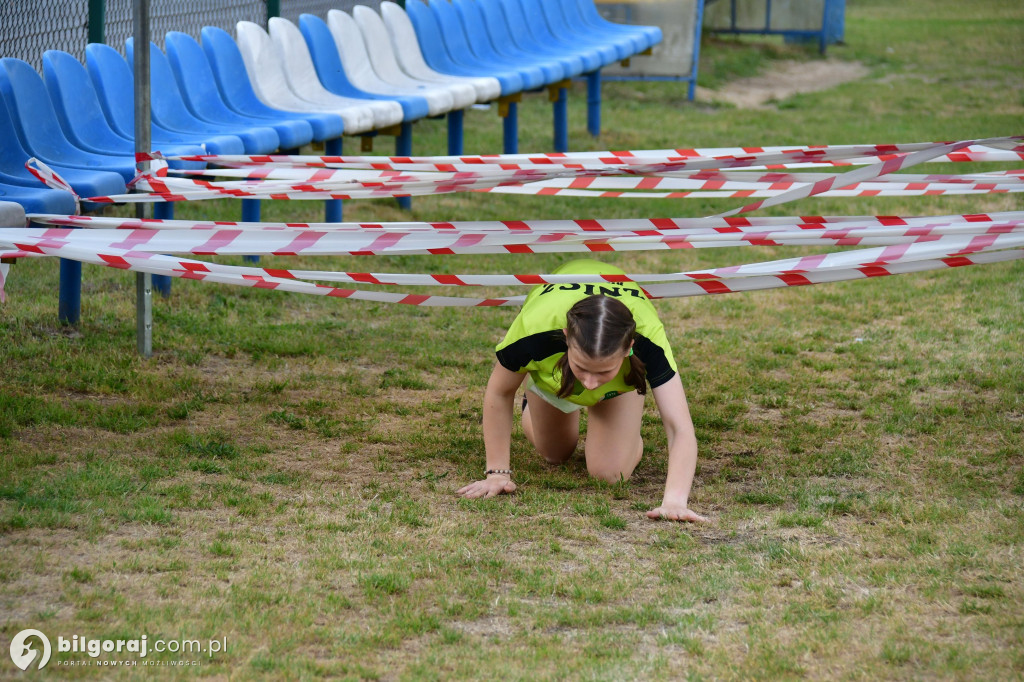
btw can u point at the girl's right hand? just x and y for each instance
(489, 487)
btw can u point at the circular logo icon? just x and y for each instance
(22, 652)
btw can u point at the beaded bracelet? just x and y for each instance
(497, 471)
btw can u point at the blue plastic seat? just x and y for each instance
(331, 71)
(37, 199)
(13, 156)
(38, 130)
(198, 86)
(543, 31)
(479, 51)
(585, 13)
(611, 51)
(112, 77)
(429, 34)
(492, 32)
(169, 108)
(520, 28)
(233, 82)
(81, 116)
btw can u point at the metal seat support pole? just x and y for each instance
(143, 280)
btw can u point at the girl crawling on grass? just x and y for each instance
(594, 346)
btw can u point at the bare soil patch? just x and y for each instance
(788, 78)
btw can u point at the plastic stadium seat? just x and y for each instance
(455, 39)
(497, 43)
(38, 130)
(358, 66)
(410, 55)
(81, 117)
(199, 89)
(265, 65)
(519, 28)
(36, 199)
(382, 55)
(333, 71)
(169, 108)
(586, 11)
(432, 41)
(11, 214)
(233, 82)
(302, 77)
(13, 172)
(112, 77)
(543, 33)
(559, 24)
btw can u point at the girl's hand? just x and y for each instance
(676, 513)
(489, 487)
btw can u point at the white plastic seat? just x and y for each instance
(264, 66)
(382, 57)
(407, 49)
(301, 73)
(355, 60)
(12, 214)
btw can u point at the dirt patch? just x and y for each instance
(786, 79)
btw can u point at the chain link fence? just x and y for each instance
(30, 27)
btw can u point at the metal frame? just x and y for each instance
(691, 79)
(831, 9)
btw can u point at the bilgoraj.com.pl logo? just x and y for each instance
(32, 648)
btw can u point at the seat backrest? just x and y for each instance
(262, 59)
(323, 49)
(168, 107)
(381, 52)
(403, 36)
(498, 26)
(452, 31)
(12, 154)
(76, 102)
(192, 72)
(113, 80)
(229, 69)
(431, 38)
(351, 47)
(32, 113)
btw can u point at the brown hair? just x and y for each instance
(600, 326)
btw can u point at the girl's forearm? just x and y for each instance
(682, 466)
(497, 426)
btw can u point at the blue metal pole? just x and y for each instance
(332, 207)
(560, 109)
(403, 147)
(251, 213)
(69, 299)
(162, 283)
(510, 130)
(455, 121)
(594, 102)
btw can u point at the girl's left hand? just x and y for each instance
(676, 513)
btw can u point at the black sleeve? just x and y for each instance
(535, 347)
(658, 368)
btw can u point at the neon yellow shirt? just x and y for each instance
(535, 341)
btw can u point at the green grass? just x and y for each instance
(282, 471)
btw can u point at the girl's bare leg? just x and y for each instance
(552, 432)
(614, 445)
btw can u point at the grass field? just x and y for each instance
(281, 473)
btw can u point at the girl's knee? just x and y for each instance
(609, 474)
(557, 453)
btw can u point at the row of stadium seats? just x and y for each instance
(358, 74)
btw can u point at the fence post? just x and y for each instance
(97, 19)
(273, 9)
